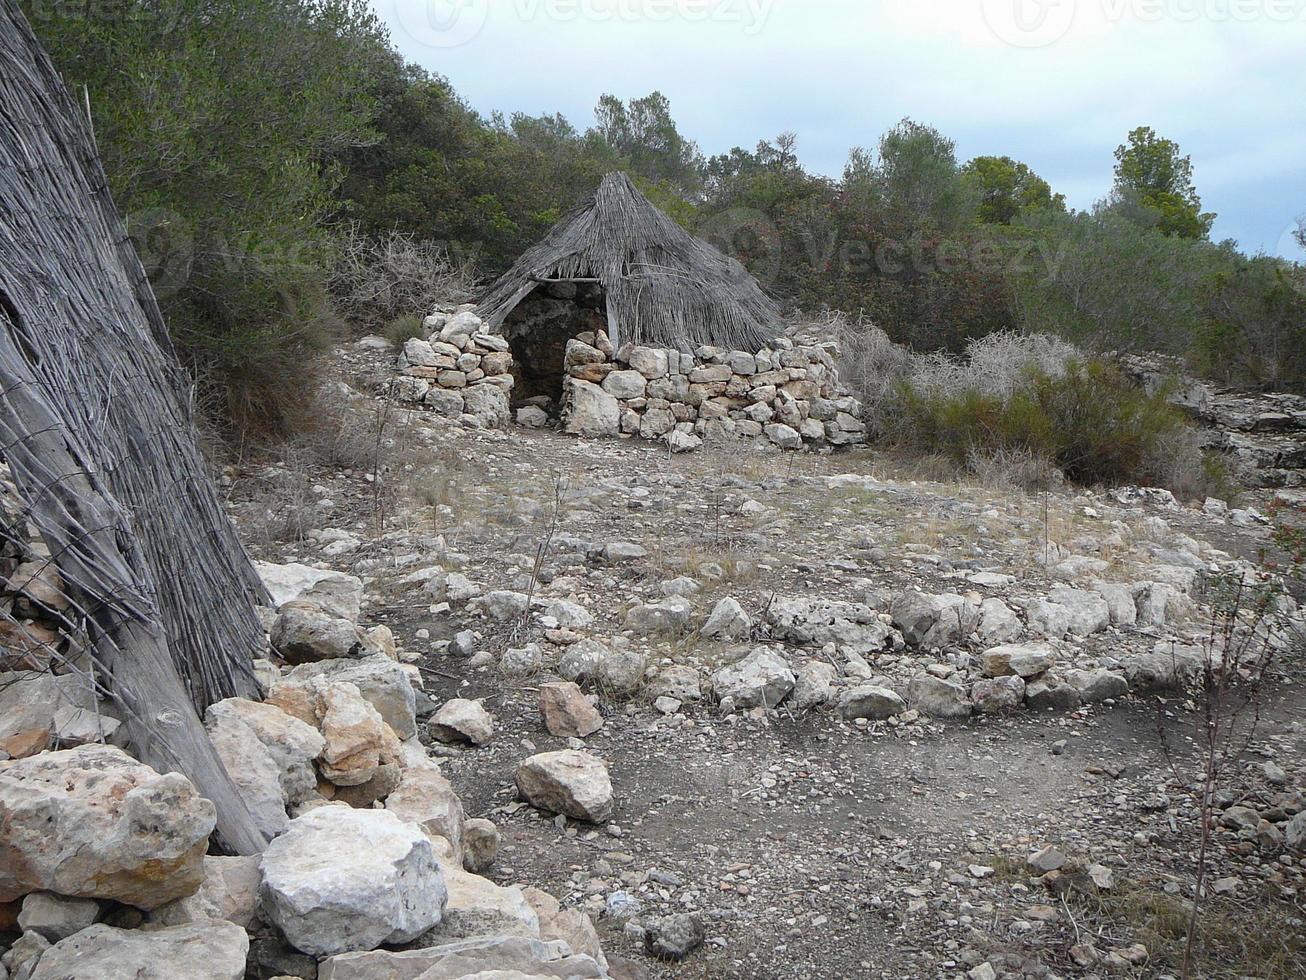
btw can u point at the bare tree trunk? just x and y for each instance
(96, 427)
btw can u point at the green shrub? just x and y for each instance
(1091, 422)
(217, 124)
(403, 328)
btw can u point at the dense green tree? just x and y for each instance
(1253, 323)
(908, 251)
(1108, 283)
(915, 176)
(485, 188)
(1008, 188)
(642, 133)
(1151, 171)
(216, 120)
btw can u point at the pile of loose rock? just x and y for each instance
(107, 871)
(785, 396)
(993, 648)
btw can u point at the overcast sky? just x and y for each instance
(1055, 83)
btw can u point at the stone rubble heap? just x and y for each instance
(989, 648)
(370, 845)
(785, 396)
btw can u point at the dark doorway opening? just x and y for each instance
(538, 330)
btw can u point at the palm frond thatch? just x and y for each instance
(663, 286)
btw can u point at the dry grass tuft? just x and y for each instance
(1258, 936)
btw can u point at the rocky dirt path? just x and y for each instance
(811, 844)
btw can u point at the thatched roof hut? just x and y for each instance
(97, 433)
(661, 286)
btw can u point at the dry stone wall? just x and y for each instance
(461, 370)
(784, 396)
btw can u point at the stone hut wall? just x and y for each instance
(462, 370)
(784, 396)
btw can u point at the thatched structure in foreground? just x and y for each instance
(97, 434)
(661, 286)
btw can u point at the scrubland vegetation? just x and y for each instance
(287, 174)
(1026, 410)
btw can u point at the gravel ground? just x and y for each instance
(811, 846)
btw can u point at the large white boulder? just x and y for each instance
(1024, 660)
(871, 702)
(292, 743)
(938, 697)
(501, 957)
(92, 822)
(618, 669)
(210, 950)
(728, 621)
(998, 624)
(479, 907)
(1089, 611)
(762, 678)
(462, 721)
(252, 768)
(625, 384)
(853, 627)
(341, 880)
(425, 798)
(568, 782)
(304, 633)
(1068, 611)
(932, 621)
(488, 403)
(335, 592)
(382, 682)
(591, 412)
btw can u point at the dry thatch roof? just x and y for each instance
(664, 287)
(97, 433)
